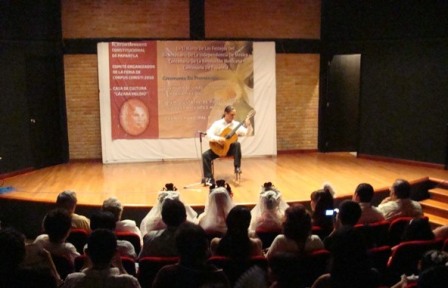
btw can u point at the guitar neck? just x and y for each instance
(228, 136)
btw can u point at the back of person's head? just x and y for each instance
(173, 212)
(323, 200)
(191, 243)
(102, 220)
(222, 184)
(57, 224)
(114, 206)
(297, 223)
(418, 229)
(365, 192)
(349, 212)
(402, 189)
(12, 249)
(270, 196)
(67, 200)
(433, 258)
(101, 246)
(238, 220)
(434, 277)
(350, 265)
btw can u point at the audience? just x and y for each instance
(268, 213)
(162, 242)
(296, 237)
(153, 220)
(363, 195)
(106, 220)
(418, 229)
(213, 219)
(441, 232)
(236, 243)
(192, 269)
(399, 204)
(285, 271)
(67, 200)
(114, 206)
(348, 216)
(57, 224)
(101, 251)
(350, 265)
(13, 272)
(321, 201)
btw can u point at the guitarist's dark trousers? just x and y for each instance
(208, 156)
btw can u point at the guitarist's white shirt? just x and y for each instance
(214, 132)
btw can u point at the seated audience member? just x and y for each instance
(236, 243)
(101, 251)
(267, 215)
(192, 269)
(14, 272)
(67, 200)
(418, 229)
(106, 220)
(114, 206)
(57, 224)
(161, 242)
(348, 216)
(296, 237)
(321, 201)
(441, 232)
(399, 204)
(350, 265)
(213, 219)
(429, 261)
(153, 220)
(363, 195)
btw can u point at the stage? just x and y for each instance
(137, 184)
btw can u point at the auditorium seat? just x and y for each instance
(149, 266)
(379, 257)
(396, 229)
(376, 234)
(267, 237)
(63, 265)
(128, 264)
(78, 237)
(133, 238)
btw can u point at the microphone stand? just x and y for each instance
(202, 161)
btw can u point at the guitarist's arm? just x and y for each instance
(213, 134)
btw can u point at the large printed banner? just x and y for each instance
(155, 96)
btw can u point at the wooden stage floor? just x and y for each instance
(137, 184)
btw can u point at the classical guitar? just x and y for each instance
(230, 137)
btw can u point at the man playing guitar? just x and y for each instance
(223, 135)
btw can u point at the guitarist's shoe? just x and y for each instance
(238, 170)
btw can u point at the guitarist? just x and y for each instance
(216, 134)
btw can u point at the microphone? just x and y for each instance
(202, 133)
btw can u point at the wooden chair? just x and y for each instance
(149, 266)
(131, 237)
(78, 237)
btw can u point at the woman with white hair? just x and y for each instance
(267, 215)
(153, 220)
(213, 219)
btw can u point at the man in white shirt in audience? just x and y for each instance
(363, 195)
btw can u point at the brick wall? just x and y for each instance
(297, 74)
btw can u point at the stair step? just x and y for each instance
(439, 194)
(434, 207)
(436, 221)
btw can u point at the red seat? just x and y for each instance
(235, 268)
(128, 264)
(78, 237)
(396, 229)
(379, 257)
(445, 245)
(149, 266)
(314, 264)
(406, 255)
(376, 234)
(131, 237)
